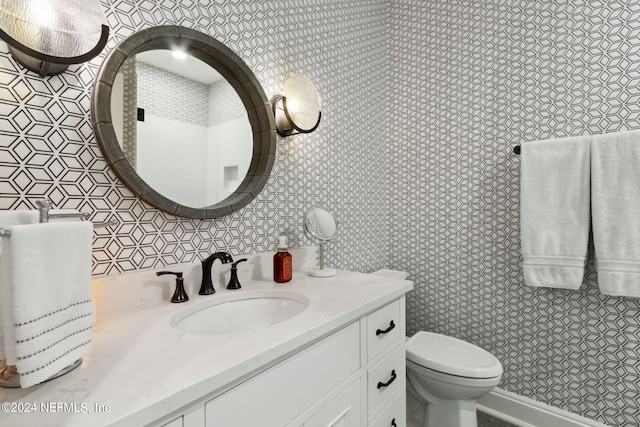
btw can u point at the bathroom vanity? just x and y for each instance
(339, 361)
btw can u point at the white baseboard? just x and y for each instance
(525, 412)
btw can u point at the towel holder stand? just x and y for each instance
(9, 375)
(44, 208)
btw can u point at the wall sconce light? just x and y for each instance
(46, 36)
(297, 110)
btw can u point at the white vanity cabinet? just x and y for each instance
(354, 377)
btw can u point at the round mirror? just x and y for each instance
(320, 224)
(183, 122)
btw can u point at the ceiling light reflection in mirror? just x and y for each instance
(182, 127)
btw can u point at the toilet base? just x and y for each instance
(436, 411)
(451, 413)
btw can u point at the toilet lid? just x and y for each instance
(452, 356)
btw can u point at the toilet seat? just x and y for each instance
(452, 356)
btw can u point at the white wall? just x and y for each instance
(235, 148)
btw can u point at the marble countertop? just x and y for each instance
(140, 368)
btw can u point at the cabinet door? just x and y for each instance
(342, 411)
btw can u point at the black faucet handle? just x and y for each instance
(234, 283)
(177, 273)
(235, 264)
(179, 295)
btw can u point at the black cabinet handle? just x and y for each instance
(393, 423)
(388, 383)
(389, 329)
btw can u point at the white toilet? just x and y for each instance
(448, 375)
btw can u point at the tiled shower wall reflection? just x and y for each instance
(468, 81)
(47, 145)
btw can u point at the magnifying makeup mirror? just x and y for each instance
(320, 225)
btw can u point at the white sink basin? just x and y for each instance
(241, 312)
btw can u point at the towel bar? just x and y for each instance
(44, 207)
(7, 233)
(516, 149)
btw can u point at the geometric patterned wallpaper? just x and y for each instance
(469, 80)
(421, 104)
(48, 147)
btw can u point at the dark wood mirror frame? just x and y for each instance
(239, 76)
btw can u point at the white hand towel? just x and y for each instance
(554, 211)
(46, 269)
(7, 218)
(615, 202)
(10, 218)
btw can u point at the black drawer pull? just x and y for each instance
(389, 329)
(388, 383)
(393, 423)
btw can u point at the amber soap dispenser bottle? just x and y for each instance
(282, 265)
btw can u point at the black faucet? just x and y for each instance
(207, 286)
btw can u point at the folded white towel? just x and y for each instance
(11, 218)
(615, 202)
(17, 217)
(46, 270)
(554, 211)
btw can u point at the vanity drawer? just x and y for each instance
(394, 413)
(385, 379)
(383, 328)
(279, 394)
